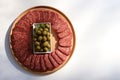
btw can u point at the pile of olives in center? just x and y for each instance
(41, 37)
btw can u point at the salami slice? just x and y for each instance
(65, 33)
(37, 63)
(41, 19)
(36, 14)
(32, 65)
(62, 28)
(47, 62)
(67, 41)
(57, 59)
(23, 57)
(28, 61)
(65, 50)
(53, 62)
(43, 66)
(61, 55)
(45, 16)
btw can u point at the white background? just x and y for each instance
(97, 28)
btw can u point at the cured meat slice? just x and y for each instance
(41, 19)
(65, 50)
(58, 23)
(37, 63)
(19, 53)
(22, 22)
(28, 61)
(62, 28)
(32, 65)
(47, 62)
(18, 37)
(57, 59)
(43, 66)
(61, 55)
(64, 33)
(23, 57)
(53, 62)
(66, 41)
(36, 14)
(45, 16)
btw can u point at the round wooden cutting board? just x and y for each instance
(22, 32)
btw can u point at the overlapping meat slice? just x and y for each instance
(61, 55)
(62, 27)
(53, 61)
(32, 65)
(46, 16)
(57, 59)
(27, 61)
(42, 62)
(36, 15)
(66, 41)
(41, 19)
(64, 33)
(65, 50)
(47, 62)
(37, 63)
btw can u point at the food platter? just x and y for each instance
(62, 40)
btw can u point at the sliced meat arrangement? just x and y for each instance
(21, 40)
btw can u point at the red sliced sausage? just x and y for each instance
(36, 14)
(23, 57)
(53, 62)
(66, 41)
(32, 65)
(37, 63)
(57, 59)
(47, 62)
(61, 55)
(45, 16)
(28, 61)
(65, 50)
(63, 27)
(43, 66)
(41, 19)
(65, 33)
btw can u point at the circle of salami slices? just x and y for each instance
(21, 40)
